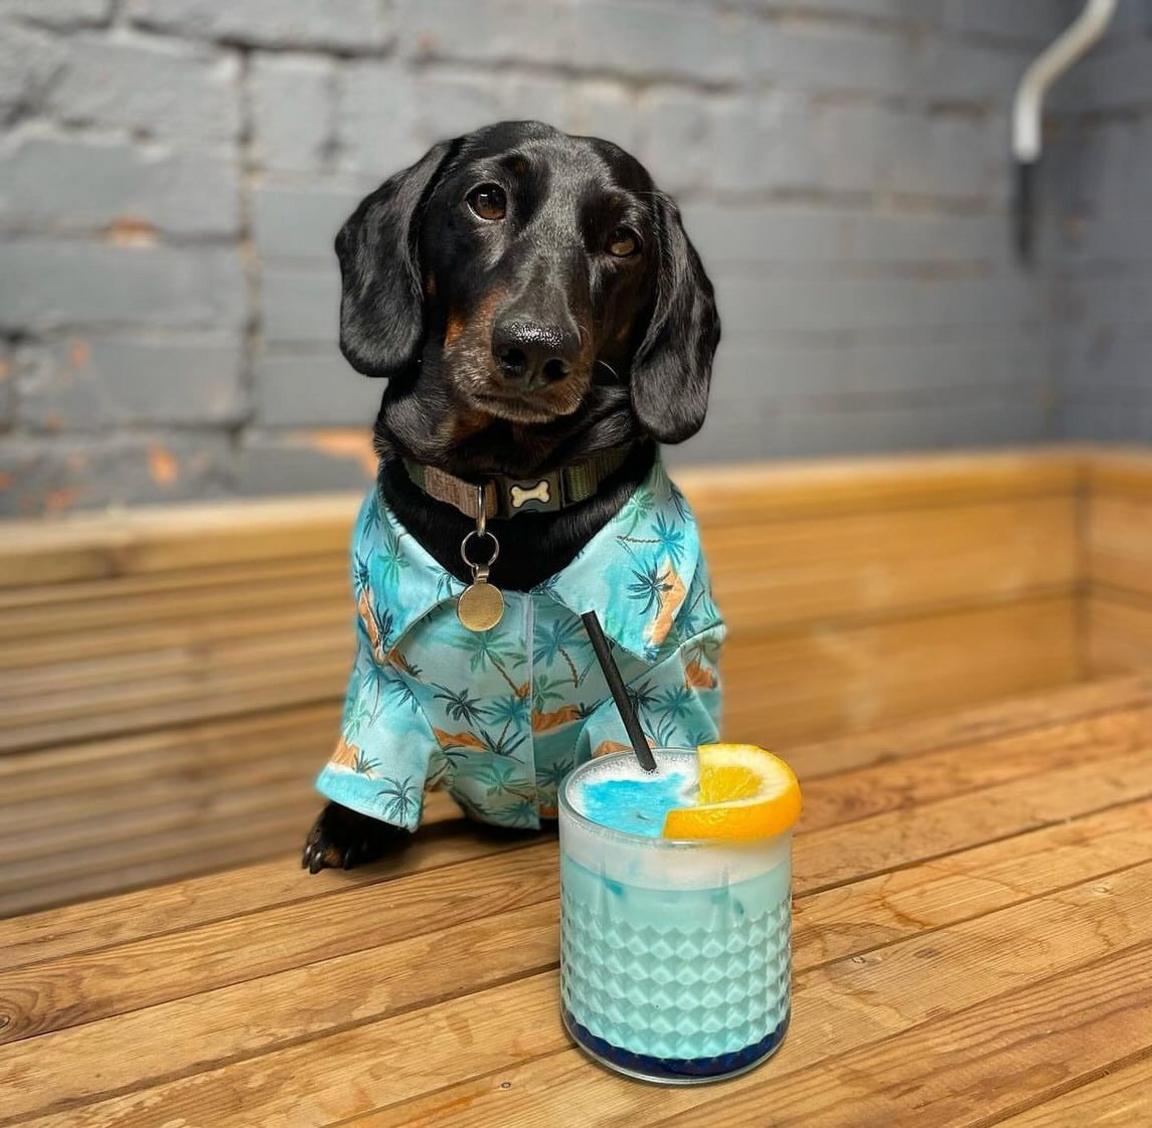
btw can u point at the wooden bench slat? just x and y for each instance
(848, 1006)
(306, 1002)
(988, 1060)
(113, 980)
(818, 568)
(505, 1028)
(783, 689)
(1120, 1097)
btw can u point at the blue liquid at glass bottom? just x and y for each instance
(680, 984)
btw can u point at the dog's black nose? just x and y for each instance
(533, 355)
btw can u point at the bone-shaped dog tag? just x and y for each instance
(539, 492)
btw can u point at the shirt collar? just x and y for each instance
(635, 572)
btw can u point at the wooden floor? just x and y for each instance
(973, 938)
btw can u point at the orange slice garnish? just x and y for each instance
(745, 793)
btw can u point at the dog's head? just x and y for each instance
(521, 274)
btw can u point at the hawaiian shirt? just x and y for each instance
(499, 717)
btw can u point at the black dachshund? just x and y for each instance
(534, 303)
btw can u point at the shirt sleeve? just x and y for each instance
(387, 754)
(387, 750)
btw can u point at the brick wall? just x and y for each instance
(172, 173)
(1100, 235)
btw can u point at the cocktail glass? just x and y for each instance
(675, 955)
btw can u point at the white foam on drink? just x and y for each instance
(657, 862)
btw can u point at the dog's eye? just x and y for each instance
(488, 201)
(623, 242)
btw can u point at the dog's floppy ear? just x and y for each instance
(672, 365)
(381, 305)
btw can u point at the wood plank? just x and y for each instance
(1120, 470)
(954, 772)
(92, 985)
(772, 573)
(1119, 543)
(734, 492)
(1047, 709)
(162, 588)
(304, 1003)
(850, 1005)
(222, 695)
(294, 609)
(138, 974)
(1121, 1097)
(30, 779)
(514, 1029)
(1119, 632)
(167, 538)
(784, 689)
(104, 606)
(445, 839)
(965, 1068)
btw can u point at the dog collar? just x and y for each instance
(508, 497)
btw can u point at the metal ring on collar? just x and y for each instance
(478, 534)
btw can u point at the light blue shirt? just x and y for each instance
(499, 717)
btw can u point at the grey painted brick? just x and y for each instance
(832, 58)
(1120, 78)
(1029, 20)
(7, 386)
(901, 237)
(650, 38)
(321, 390)
(301, 305)
(291, 462)
(293, 107)
(30, 62)
(53, 283)
(757, 235)
(301, 223)
(347, 25)
(45, 474)
(63, 183)
(390, 116)
(762, 305)
(854, 144)
(602, 109)
(86, 384)
(156, 88)
(59, 13)
(761, 142)
(677, 127)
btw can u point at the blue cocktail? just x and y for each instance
(675, 955)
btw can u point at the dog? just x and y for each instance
(543, 323)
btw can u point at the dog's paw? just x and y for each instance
(341, 838)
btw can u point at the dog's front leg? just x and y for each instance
(341, 838)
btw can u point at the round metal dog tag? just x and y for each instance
(480, 607)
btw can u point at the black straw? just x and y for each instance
(619, 693)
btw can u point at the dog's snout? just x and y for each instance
(533, 354)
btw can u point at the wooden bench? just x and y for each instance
(170, 680)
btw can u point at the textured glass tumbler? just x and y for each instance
(675, 955)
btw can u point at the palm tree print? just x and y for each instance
(675, 702)
(460, 705)
(563, 636)
(651, 583)
(363, 764)
(484, 652)
(668, 537)
(399, 800)
(544, 690)
(391, 558)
